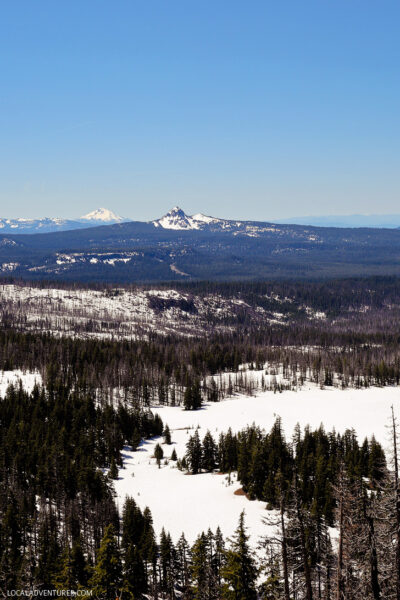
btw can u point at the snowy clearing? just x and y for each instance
(192, 503)
(27, 379)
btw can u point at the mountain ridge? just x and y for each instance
(179, 247)
(177, 220)
(100, 216)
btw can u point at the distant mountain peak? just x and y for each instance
(176, 218)
(102, 214)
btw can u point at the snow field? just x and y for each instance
(192, 503)
(15, 377)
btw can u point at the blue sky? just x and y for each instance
(238, 109)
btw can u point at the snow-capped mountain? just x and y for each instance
(178, 246)
(100, 216)
(44, 225)
(103, 215)
(176, 218)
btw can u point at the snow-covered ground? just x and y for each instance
(27, 379)
(128, 313)
(118, 313)
(192, 503)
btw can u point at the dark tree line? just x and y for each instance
(355, 345)
(54, 444)
(173, 370)
(267, 463)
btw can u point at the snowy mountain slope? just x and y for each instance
(178, 220)
(124, 314)
(120, 312)
(102, 215)
(44, 225)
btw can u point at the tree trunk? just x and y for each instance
(339, 575)
(375, 587)
(397, 503)
(306, 565)
(284, 555)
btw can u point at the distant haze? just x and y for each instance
(387, 221)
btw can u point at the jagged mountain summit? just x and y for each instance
(176, 218)
(100, 216)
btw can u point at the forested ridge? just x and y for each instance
(61, 448)
(343, 332)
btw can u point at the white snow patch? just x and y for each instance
(192, 503)
(28, 380)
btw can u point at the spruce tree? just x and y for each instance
(158, 454)
(192, 396)
(74, 571)
(183, 554)
(239, 571)
(200, 568)
(167, 435)
(113, 472)
(194, 453)
(134, 574)
(167, 564)
(219, 556)
(106, 579)
(209, 454)
(136, 438)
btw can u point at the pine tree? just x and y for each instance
(136, 438)
(167, 435)
(113, 472)
(158, 454)
(149, 552)
(194, 453)
(134, 575)
(49, 551)
(276, 546)
(167, 564)
(133, 524)
(218, 558)
(272, 588)
(74, 571)
(209, 453)
(199, 568)
(239, 571)
(192, 396)
(106, 579)
(183, 566)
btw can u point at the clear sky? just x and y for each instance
(251, 109)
